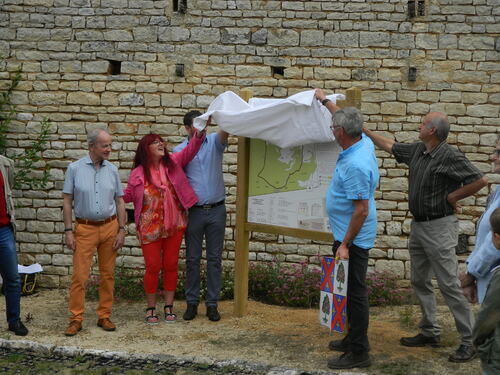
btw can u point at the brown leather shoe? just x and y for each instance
(106, 324)
(74, 327)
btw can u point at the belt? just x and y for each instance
(209, 206)
(429, 218)
(96, 222)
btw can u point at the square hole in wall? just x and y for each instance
(421, 8)
(278, 71)
(417, 8)
(412, 74)
(411, 9)
(179, 70)
(179, 6)
(115, 67)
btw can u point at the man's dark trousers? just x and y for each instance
(357, 299)
(211, 224)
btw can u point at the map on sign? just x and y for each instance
(287, 187)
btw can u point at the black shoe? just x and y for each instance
(18, 328)
(338, 346)
(191, 312)
(464, 353)
(350, 360)
(421, 340)
(213, 314)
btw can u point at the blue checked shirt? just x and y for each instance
(94, 190)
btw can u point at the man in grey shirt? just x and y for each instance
(93, 190)
(439, 176)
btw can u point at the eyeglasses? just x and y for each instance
(156, 142)
(497, 152)
(333, 127)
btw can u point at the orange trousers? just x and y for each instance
(90, 238)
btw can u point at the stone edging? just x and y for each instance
(74, 351)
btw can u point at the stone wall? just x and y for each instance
(94, 63)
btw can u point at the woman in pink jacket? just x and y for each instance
(161, 195)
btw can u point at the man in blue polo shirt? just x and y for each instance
(350, 205)
(206, 219)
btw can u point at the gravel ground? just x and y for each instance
(268, 338)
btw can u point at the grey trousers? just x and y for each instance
(432, 250)
(211, 224)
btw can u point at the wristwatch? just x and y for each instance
(324, 101)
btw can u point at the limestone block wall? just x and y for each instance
(136, 66)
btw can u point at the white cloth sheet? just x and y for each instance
(297, 120)
(34, 268)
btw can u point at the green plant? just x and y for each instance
(227, 284)
(279, 284)
(128, 284)
(407, 317)
(7, 109)
(26, 163)
(383, 289)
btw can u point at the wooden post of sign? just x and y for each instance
(352, 98)
(242, 234)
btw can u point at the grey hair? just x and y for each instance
(441, 124)
(93, 134)
(350, 119)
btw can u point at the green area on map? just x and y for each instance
(275, 170)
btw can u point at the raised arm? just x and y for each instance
(187, 154)
(380, 141)
(320, 95)
(221, 134)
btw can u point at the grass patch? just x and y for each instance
(401, 367)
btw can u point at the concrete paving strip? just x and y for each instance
(74, 351)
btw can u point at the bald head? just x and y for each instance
(438, 121)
